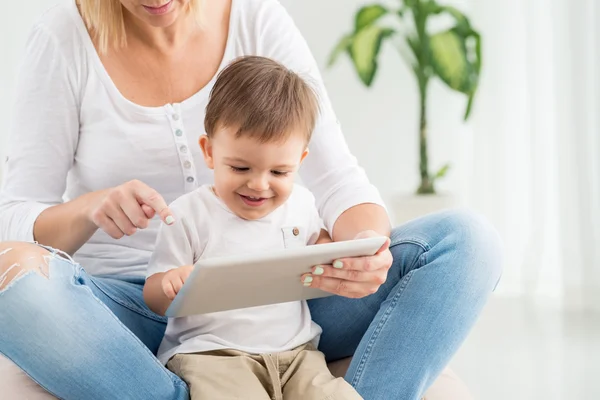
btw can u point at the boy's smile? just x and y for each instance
(251, 177)
(253, 201)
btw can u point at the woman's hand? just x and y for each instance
(124, 209)
(354, 277)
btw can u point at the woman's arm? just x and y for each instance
(66, 226)
(42, 142)
(118, 211)
(360, 218)
(42, 145)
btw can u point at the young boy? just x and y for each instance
(258, 124)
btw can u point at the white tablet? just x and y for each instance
(232, 282)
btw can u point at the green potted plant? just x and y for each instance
(452, 54)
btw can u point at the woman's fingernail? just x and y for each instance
(338, 264)
(307, 280)
(319, 271)
(169, 220)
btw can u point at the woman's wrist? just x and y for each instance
(67, 226)
(360, 218)
(84, 207)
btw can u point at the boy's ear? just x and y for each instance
(207, 151)
(304, 154)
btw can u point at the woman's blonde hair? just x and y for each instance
(104, 19)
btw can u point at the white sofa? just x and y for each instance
(16, 385)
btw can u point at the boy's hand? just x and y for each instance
(174, 279)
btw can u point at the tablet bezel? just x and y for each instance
(242, 281)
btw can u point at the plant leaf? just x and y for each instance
(342, 46)
(472, 68)
(477, 70)
(364, 51)
(478, 57)
(367, 15)
(414, 45)
(469, 106)
(441, 172)
(462, 22)
(450, 62)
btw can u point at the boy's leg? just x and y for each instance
(223, 375)
(308, 377)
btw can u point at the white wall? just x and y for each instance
(380, 123)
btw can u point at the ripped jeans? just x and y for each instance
(90, 337)
(93, 338)
(34, 263)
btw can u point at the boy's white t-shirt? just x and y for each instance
(205, 228)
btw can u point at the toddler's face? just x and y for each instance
(253, 178)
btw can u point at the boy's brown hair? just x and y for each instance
(262, 99)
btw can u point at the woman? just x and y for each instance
(109, 107)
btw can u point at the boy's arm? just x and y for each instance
(154, 296)
(176, 249)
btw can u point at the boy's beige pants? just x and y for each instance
(299, 374)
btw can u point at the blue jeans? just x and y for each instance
(86, 337)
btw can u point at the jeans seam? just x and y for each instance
(379, 328)
(126, 305)
(424, 245)
(422, 259)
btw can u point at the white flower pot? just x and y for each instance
(406, 207)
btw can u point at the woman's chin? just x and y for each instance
(161, 21)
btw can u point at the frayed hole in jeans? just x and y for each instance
(14, 264)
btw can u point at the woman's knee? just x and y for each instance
(476, 240)
(18, 259)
